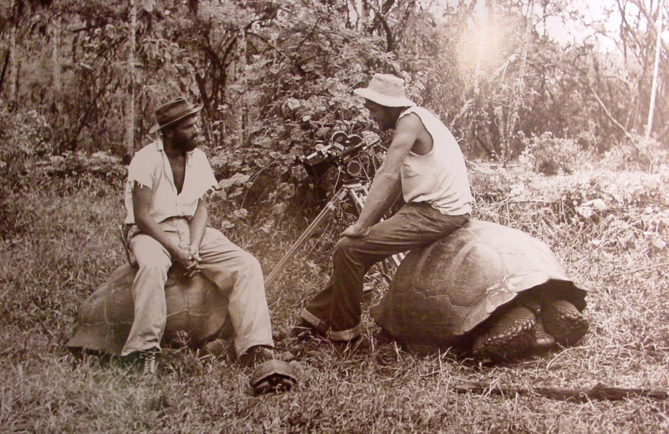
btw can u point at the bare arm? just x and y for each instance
(198, 224)
(387, 183)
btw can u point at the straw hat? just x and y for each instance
(172, 112)
(386, 90)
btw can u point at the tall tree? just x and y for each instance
(13, 77)
(56, 29)
(656, 65)
(130, 101)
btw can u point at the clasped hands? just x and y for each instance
(189, 259)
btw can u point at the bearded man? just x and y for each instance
(165, 197)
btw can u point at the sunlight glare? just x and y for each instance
(481, 47)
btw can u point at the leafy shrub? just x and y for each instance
(27, 162)
(99, 165)
(636, 153)
(551, 155)
(24, 138)
(617, 209)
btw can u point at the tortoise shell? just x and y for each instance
(443, 291)
(196, 311)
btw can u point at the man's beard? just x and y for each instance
(187, 145)
(386, 125)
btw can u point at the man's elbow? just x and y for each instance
(143, 220)
(202, 211)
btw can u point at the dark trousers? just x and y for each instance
(335, 310)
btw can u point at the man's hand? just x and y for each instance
(194, 253)
(194, 258)
(355, 231)
(189, 259)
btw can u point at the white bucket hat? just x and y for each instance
(386, 90)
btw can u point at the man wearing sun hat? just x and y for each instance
(424, 164)
(168, 181)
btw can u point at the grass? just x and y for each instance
(64, 244)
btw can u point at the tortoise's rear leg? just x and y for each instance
(510, 337)
(563, 321)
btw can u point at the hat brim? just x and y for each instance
(190, 112)
(381, 99)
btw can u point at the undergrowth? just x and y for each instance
(608, 228)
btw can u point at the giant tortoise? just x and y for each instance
(196, 312)
(487, 288)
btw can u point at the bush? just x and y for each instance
(24, 138)
(551, 155)
(636, 153)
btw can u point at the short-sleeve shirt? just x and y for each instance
(150, 167)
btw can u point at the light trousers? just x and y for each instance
(234, 271)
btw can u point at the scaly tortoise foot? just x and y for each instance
(511, 336)
(564, 322)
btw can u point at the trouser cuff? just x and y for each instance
(322, 327)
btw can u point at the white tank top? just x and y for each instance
(440, 176)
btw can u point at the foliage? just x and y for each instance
(630, 206)
(549, 155)
(277, 77)
(23, 140)
(636, 153)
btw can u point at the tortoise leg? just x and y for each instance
(510, 337)
(564, 322)
(542, 340)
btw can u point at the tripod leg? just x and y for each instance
(327, 209)
(358, 196)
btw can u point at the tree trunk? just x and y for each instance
(243, 109)
(130, 101)
(13, 67)
(653, 89)
(360, 10)
(55, 58)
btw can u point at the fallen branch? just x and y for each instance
(598, 392)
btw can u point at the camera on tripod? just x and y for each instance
(347, 152)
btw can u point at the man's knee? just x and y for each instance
(249, 263)
(345, 246)
(154, 267)
(150, 254)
